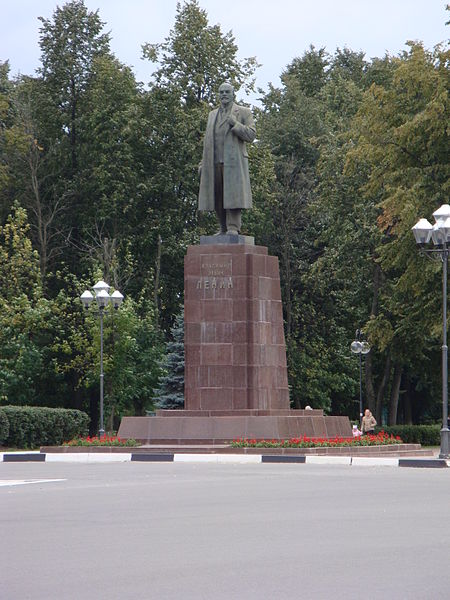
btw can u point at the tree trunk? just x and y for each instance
(382, 387)
(407, 403)
(395, 391)
(370, 391)
(157, 274)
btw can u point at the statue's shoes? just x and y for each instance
(232, 232)
(221, 232)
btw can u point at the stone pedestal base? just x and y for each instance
(181, 427)
(235, 356)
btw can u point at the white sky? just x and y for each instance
(275, 31)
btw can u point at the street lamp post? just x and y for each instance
(360, 347)
(439, 233)
(103, 298)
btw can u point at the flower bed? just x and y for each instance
(380, 439)
(104, 440)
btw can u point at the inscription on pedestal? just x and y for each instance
(213, 283)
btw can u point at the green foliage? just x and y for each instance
(30, 426)
(4, 427)
(427, 435)
(99, 179)
(196, 57)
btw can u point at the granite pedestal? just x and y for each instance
(235, 355)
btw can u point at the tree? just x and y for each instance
(170, 392)
(196, 57)
(69, 44)
(23, 313)
(403, 147)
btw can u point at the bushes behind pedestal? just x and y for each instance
(427, 435)
(33, 426)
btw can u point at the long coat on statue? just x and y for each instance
(236, 180)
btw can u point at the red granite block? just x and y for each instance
(192, 263)
(252, 379)
(265, 288)
(277, 334)
(239, 329)
(192, 333)
(269, 355)
(257, 265)
(220, 376)
(216, 398)
(224, 332)
(238, 375)
(239, 265)
(254, 355)
(276, 290)
(216, 310)
(265, 332)
(192, 398)
(208, 332)
(191, 377)
(203, 376)
(240, 285)
(276, 312)
(260, 310)
(281, 355)
(239, 399)
(240, 310)
(192, 311)
(281, 378)
(216, 354)
(192, 354)
(265, 377)
(239, 354)
(190, 291)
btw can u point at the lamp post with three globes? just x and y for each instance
(103, 298)
(439, 234)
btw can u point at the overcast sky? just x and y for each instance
(275, 31)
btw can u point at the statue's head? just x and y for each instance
(226, 93)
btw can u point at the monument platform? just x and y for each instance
(184, 427)
(236, 383)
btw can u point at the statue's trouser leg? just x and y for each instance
(218, 197)
(234, 220)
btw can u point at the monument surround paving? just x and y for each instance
(236, 383)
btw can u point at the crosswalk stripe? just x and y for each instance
(11, 482)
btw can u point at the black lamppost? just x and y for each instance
(101, 291)
(439, 233)
(360, 347)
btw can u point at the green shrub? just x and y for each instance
(427, 435)
(4, 427)
(33, 426)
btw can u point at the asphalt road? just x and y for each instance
(177, 531)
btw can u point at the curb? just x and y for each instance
(95, 457)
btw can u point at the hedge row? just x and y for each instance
(33, 426)
(4, 427)
(427, 435)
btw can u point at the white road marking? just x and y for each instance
(10, 482)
